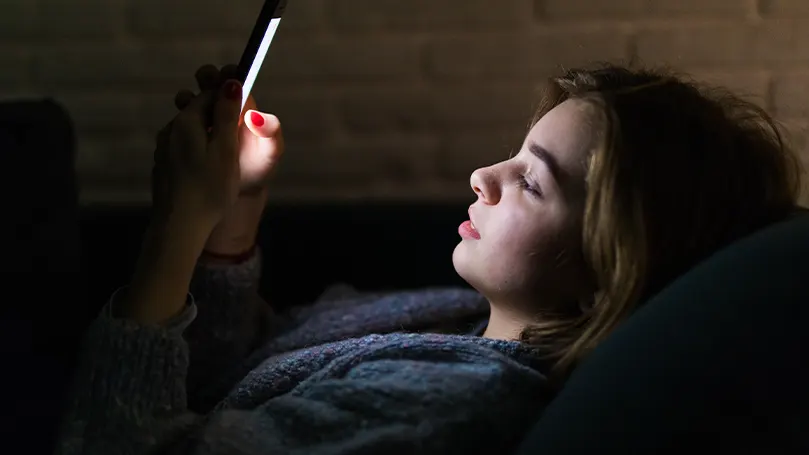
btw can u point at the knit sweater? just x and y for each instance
(347, 375)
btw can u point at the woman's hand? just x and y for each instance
(261, 141)
(195, 182)
(196, 174)
(261, 144)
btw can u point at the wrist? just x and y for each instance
(181, 220)
(228, 244)
(237, 231)
(213, 257)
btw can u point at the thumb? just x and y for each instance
(226, 113)
(261, 124)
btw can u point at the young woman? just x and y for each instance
(625, 180)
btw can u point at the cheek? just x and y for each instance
(518, 249)
(519, 229)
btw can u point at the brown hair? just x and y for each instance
(681, 171)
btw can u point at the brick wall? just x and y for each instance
(380, 98)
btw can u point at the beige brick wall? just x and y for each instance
(380, 98)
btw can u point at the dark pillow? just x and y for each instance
(716, 363)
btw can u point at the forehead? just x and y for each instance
(568, 132)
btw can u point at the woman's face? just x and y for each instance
(524, 240)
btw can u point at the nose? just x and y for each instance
(484, 184)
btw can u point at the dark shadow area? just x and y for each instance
(305, 247)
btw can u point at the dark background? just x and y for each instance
(381, 99)
(305, 247)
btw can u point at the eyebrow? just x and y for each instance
(545, 156)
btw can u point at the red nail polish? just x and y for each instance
(256, 118)
(233, 90)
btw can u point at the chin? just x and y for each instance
(465, 264)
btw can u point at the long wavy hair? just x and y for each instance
(681, 171)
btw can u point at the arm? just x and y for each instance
(129, 391)
(211, 156)
(232, 318)
(163, 271)
(128, 395)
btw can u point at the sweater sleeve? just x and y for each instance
(129, 390)
(232, 321)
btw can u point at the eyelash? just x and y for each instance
(524, 184)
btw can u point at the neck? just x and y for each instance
(504, 323)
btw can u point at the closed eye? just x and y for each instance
(527, 185)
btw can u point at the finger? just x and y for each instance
(226, 115)
(207, 77)
(229, 72)
(261, 124)
(196, 117)
(267, 140)
(182, 98)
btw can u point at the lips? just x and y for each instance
(468, 230)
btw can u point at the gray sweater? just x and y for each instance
(345, 376)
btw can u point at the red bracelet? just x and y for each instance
(230, 258)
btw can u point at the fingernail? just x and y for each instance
(256, 118)
(233, 90)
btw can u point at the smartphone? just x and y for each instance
(259, 43)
